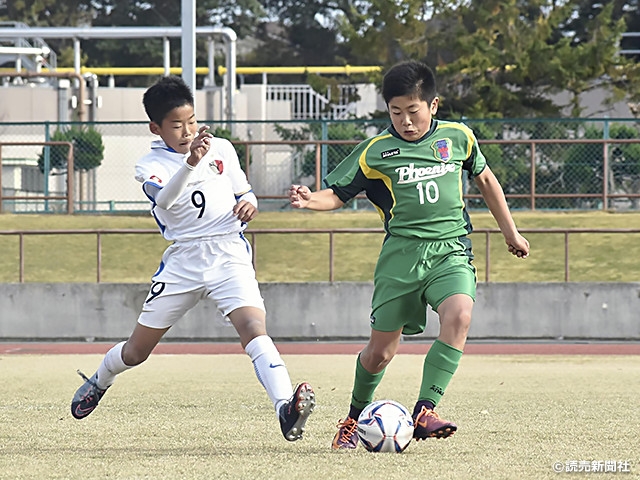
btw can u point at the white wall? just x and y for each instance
(28, 104)
(325, 311)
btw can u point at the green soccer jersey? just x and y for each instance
(416, 186)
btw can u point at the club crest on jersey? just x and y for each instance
(155, 179)
(217, 166)
(442, 149)
(390, 153)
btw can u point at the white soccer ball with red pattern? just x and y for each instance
(385, 426)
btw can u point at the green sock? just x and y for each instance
(364, 384)
(440, 364)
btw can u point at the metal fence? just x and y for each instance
(252, 234)
(45, 196)
(541, 164)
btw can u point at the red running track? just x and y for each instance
(330, 348)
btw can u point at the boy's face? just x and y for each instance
(411, 117)
(178, 129)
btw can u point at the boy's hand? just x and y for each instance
(245, 211)
(518, 246)
(200, 146)
(299, 196)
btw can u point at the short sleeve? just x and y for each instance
(347, 180)
(476, 162)
(152, 176)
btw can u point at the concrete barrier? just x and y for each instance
(323, 311)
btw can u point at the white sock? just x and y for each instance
(110, 366)
(270, 370)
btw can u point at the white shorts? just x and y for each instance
(219, 269)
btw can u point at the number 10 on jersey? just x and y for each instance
(428, 191)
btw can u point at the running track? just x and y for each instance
(331, 348)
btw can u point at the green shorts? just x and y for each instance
(413, 273)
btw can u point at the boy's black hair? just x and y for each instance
(166, 94)
(409, 78)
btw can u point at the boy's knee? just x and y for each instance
(374, 360)
(461, 321)
(131, 357)
(455, 316)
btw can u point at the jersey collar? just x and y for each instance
(162, 145)
(394, 132)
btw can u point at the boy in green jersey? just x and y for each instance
(412, 173)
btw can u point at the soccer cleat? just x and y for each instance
(293, 414)
(429, 425)
(86, 398)
(347, 436)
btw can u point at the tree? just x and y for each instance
(506, 58)
(499, 58)
(384, 31)
(586, 11)
(45, 13)
(333, 153)
(241, 150)
(88, 150)
(375, 32)
(511, 163)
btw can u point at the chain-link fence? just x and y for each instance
(541, 164)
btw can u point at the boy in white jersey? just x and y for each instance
(201, 201)
(412, 173)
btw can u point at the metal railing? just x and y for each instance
(605, 196)
(307, 104)
(252, 234)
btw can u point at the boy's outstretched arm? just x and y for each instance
(494, 198)
(301, 197)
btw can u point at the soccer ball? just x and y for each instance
(385, 426)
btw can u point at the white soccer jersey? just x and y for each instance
(204, 208)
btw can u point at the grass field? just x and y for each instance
(305, 257)
(206, 416)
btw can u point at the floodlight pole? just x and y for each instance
(189, 43)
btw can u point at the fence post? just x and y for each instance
(46, 167)
(532, 185)
(318, 166)
(566, 256)
(605, 176)
(605, 165)
(70, 185)
(324, 149)
(1, 202)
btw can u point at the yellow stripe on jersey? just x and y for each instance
(377, 175)
(461, 190)
(466, 130)
(470, 141)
